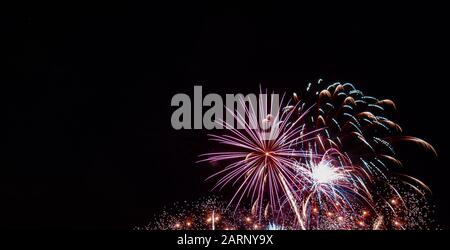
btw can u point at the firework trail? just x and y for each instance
(329, 157)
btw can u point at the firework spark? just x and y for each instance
(205, 214)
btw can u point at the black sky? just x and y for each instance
(87, 89)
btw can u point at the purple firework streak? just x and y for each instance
(265, 159)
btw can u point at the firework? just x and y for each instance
(332, 184)
(360, 128)
(263, 159)
(330, 159)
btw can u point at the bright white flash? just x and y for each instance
(324, 173)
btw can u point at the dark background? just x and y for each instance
(86, 90)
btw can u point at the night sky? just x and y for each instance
(86, 94)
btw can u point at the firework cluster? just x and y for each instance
(326, 160)
(330, 162)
